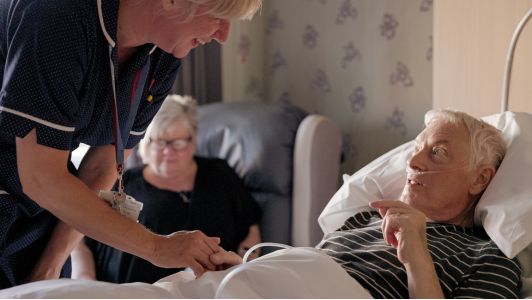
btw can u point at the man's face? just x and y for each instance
(443, 193)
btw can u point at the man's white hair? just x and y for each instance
(486, 142)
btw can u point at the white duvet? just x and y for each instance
(288, 273)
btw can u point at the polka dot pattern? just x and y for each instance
(57, 70)
(54, 69)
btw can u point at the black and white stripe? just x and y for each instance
(467, 262)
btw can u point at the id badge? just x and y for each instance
(122, 203)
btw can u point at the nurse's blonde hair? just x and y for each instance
(227, 9)
(221, 9)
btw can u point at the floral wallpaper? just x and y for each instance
(367, 64)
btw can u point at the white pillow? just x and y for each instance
(505, 209)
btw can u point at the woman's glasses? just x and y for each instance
(177, 144)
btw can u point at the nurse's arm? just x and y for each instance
(46, 180)
(98, 171)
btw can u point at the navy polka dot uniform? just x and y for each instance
(56, 78)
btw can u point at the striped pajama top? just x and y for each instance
(467, 262)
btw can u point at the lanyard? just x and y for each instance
(121, 135)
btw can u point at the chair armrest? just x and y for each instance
(315, 179)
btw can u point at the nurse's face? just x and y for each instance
(176, 37)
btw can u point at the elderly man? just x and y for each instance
(425, 245)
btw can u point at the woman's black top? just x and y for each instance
(219, 206)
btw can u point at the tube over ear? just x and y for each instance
(483, 177)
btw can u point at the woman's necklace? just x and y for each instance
(184, 197)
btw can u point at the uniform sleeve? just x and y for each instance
(163, 79)
(493, 277)
(43, 73)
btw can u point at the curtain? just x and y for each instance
(200, 74)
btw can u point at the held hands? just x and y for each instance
(187, 249)
(403, 227)
(225, 259)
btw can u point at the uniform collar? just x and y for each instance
(108, 17)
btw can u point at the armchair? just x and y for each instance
(287, 158)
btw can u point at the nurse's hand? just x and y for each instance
(190, 249)
(225, 259)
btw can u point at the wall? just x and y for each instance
(472, 38)
(365, 63)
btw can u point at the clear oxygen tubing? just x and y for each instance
(411, 171)
(231, 274)
(509, 60)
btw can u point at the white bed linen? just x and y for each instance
(288, 273)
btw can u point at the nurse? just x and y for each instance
(95, 72)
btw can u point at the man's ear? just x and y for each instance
(483, 177)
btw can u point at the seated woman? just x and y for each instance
(425, 245)
(179, 192)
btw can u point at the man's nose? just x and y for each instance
(416, 160)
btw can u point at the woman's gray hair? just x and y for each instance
(487, 143)
(175, 109)
(221, 9)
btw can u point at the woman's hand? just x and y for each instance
(251, 240)
(83, 266)
(225, 259)
(403, 227)
(186, 249)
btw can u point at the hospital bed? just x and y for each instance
(504, 210)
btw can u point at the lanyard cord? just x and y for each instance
(121, 135)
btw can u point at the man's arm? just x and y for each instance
(403, 227)
(98, 171)
(493, 276)
(46, 180)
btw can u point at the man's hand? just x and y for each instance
(403, 227)
(225, 259)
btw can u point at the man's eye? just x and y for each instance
(438, 151)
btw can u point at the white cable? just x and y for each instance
(265, 244)
(232, 274)
(509, 61)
